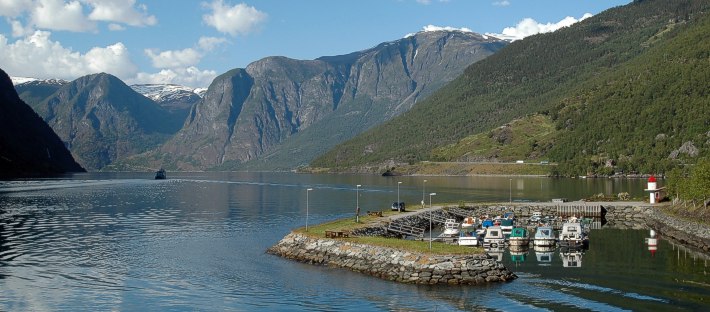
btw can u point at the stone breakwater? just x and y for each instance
(685, 232)
(392, 264)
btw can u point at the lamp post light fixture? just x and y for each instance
(357, 203)
(399, 207)
(423, 192)
(430, 228)
(307, 190)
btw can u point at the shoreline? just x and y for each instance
(407, 266)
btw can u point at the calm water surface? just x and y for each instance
(196, 242)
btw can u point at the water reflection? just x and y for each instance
(571, 259)
(518, 254)
(196, 242)
(544, 254)
(652, 242)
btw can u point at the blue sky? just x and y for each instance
(190, 42)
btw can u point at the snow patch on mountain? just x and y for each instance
(21, 80)
(166, 92)
(200, 91)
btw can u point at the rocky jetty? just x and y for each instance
(686, 232)
(392, 264)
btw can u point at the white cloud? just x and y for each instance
(112, 59)
(18, 30)
(38, 56)
(424, 2)
(14, 8)
(173, 58)
(528, 27)
(234, 20)
(179, 66)
(209, 43)
(189, 76)
(58, 15)
(501, 3)
(116, 27)
(69, 15)
(185, 57)
(121, 11)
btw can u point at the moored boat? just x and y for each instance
(519, 237)
(572, 235)
(506, 225)
(494, 237)
(160, 174)
(536, 217)
(468, 222)
(468, 236)
(544, 236)
(451, 228)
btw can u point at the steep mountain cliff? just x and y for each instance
(101, 119)
(291, 110)
(28, 146)
(624, 86)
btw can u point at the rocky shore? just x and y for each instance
(392, 264)
(470, 269)
(688, 233)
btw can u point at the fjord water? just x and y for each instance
(197, 241)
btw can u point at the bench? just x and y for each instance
(374, 213)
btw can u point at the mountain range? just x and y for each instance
(100, 118)
(279, 113)
(623, 91)
(28, 146)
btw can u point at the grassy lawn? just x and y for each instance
(349, 224)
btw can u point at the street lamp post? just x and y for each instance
(399, 207)
(307, 190)
(423, 192)
(430, 228)
(357, 203)
(510, 191)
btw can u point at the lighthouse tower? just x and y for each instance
(653, 190)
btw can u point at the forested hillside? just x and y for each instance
(647, 116)
(577, 75)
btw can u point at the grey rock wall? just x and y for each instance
(392, 264)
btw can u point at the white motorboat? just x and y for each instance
(494, 237)
(468, 236)
(451, 228)
(544, 236)
(572, 235)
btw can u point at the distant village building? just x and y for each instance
(656, 194)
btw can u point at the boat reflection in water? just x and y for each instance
(518, 254)
(571, 257)
(496, 252)
(544, 254)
